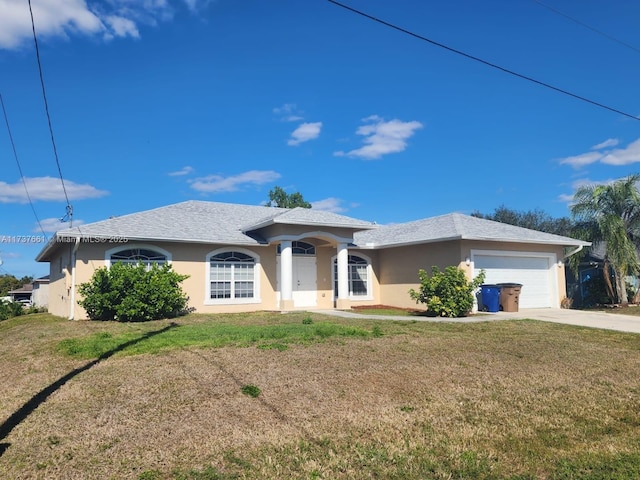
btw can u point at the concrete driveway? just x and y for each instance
(607, 321)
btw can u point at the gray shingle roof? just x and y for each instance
(232, 224)
(205, 222)
(192, 221)
(455, 226)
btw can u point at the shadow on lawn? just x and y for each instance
(39, 398)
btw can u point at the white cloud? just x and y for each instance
(62, 18)
(578, 161)
(51, 18)
(183, 171)
(611, 142)
(617, 156)
(382, 138)
(47, 189)
(330, 204)
(304, 133)
(218, 183)
(623, 156)
(122, 27)
(288, 113)
(51, 225)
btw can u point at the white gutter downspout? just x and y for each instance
(73, 279)
(570, 254)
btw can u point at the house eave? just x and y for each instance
(373, 245)
(84, 238)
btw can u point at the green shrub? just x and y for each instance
(448, 293)
(133, 293)
(10, 309)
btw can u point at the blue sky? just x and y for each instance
(156, 102)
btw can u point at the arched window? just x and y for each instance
(134, 256)
(300, 248)
(358, 269)
(232, 276)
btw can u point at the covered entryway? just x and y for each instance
(304, 291)
(534, 270)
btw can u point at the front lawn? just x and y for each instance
(308, 396)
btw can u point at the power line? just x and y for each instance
(485, 62)
(69, 213)
(15, 155)
(599, 32)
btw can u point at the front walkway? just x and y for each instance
(605, 320)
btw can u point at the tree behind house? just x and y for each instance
(279, 198)
(532, 219)
(610, 215)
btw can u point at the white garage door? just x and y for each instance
(534, 272)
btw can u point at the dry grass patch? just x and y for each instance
(518, 399)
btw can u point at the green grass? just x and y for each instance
(337, 398)
(212, 335)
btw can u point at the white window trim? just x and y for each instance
(232, 301)
(369, 295)
(130, 246)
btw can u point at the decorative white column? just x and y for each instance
(286, 275)
(343, 272)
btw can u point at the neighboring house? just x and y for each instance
(247, 258)
(22, 294)
(40, 293)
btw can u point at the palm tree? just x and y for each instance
(610, 214)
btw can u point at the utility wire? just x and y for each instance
(485, 62)
(69, 213)
(599, 32)
(15, 155)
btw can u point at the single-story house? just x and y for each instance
(36, 292)
(22, 294)
(248, 258)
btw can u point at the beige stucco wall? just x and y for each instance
(306, 233)
(398, 269)
(60, 281)
(393, 271)
(399, 266)
(189, 259)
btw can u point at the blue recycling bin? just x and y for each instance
(490, 297)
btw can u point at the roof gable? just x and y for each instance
(308, 216)
(203, 222)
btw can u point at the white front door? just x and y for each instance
(305, 284)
